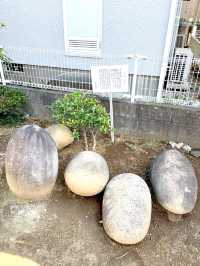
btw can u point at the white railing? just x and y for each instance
(54, 70)
(182, 82)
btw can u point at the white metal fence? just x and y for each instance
(182, 81)
(56, 71)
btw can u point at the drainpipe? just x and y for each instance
(167, 48)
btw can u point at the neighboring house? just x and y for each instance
(191, 10)
(189, 23)
(76, 34)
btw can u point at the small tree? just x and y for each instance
(83, 114)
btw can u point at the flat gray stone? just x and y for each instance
(195, 153)
(175, 218)
(127, 209)
(174, 182)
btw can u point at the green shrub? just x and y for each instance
(83, 114)
(11, 103)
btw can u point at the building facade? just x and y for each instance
(74, 35)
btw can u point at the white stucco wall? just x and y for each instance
(129, 26)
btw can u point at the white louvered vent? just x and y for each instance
(197, 35)
(181, 65)
(81, 45)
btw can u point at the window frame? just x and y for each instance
(83, 53)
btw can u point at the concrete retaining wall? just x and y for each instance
(144, 120)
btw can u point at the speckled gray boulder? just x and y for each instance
(31, 163)
(174, 182)
(127, 209)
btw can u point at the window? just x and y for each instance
(180, 41)
(82, 26)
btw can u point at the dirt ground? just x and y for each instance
(67, 230)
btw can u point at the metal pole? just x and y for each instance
(3, 80)
(136, 57)
(112, 117)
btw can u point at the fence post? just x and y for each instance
(2, 74)
(134, 82)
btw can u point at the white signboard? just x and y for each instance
(108, 79)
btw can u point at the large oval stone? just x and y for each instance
(14, 260)
(127, 209)
(174, 182)
(31, 163)
(61, 135)
(87, 174)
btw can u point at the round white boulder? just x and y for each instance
(61, 135)
(127, 209)
(174, 182)
(87, 174)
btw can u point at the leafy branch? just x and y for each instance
(84, 114)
